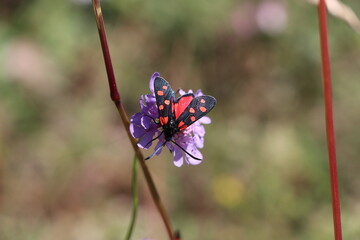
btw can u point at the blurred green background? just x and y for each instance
(65, 160)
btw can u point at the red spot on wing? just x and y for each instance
(160, 93)
(181, 123)
(164, 120)
(182, 104)
(182, 126)
(167, 102)
(165, 87)
(192, 118)
(191, 110)
(161, 107)
(202, 100)
(203, 109)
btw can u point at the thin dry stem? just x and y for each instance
(115, 96)
(329, 118)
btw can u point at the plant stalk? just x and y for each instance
(115, 97)
(134, 193)
(325, 59)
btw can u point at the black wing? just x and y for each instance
(164, 100)
(197, 108)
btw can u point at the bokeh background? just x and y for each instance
(65, 160)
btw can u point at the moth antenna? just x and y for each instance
(155, 152)
(154, 139)
(186, 151)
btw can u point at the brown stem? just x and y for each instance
(115, 97)
(329, 118)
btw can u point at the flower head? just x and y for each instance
(145, 126)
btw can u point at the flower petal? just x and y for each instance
(178, 157)
(145, 141)
(153, 112)
(159, 145)
(204, 120)
(137, 131)
(146, 122)
(136, 118)
(199, 130)
(170, 146)
(199, 141)
(198, 93)
(192, 161)
(150, 98)
(196, 153)
(148, 105)
(152, 79)
(181, 92)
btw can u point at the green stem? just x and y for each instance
(134, 198)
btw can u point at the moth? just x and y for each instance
(177, 114)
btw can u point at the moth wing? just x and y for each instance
(181, 104)
(198, 107)
(164, 99)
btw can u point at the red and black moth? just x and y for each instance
(177, 114)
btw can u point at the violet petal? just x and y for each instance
(198, 93)
(181, 92)
(146, 122)
(178, 157)
(200, 130)
(204, 120)
(137, 131)
(145, 141)
(150, 98)
(199, 141)
(136, 118)
(159, 145)
(195, 153)
(170, 146)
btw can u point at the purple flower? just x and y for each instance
(145, 126)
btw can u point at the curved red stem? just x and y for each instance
(115, 97)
